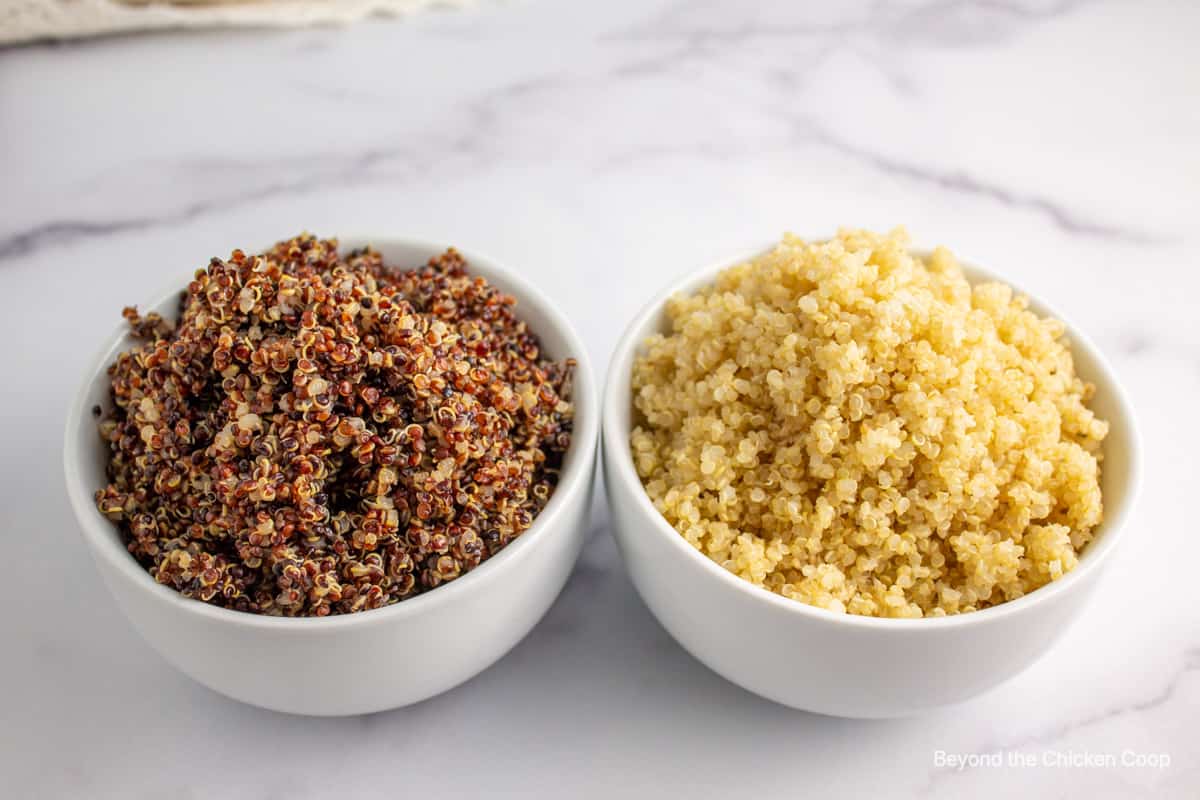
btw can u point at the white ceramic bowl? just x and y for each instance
(839, 664)
(374, 660)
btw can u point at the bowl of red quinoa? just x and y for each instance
(862, 479)
(338, 476)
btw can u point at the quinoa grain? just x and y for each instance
(323, 435)
(862, 430)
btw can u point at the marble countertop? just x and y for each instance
(607, 148)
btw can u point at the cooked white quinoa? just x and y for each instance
(860, 429)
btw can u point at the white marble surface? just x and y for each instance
(606, 147)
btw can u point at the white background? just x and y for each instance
(604, 149)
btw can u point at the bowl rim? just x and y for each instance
(618, 458)
(97, 530)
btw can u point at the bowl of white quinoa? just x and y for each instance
(863, 479)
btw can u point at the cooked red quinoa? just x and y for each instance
(322, 435)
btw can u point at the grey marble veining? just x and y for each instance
(605, 149)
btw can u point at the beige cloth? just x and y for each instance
(29, 20)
